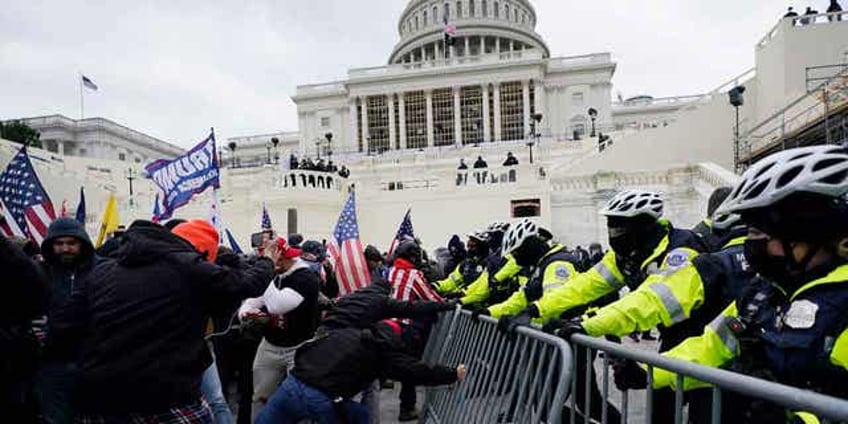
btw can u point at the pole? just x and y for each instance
(130, 178)
(82, 101)
(736, 140)
(826, 114)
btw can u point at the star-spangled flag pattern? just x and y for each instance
(346, 251)
(266, 219)
(404, 232)
(27, 206)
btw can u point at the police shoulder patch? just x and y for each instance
(801, 314)
(676, 259)
(562, 271)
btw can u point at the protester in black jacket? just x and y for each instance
(337, 365)
(68, 258)
(24, 295)
(365, 307)
(139, 322)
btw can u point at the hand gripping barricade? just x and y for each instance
(518, 378)
(791, 398)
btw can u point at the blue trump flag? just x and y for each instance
(180, 179)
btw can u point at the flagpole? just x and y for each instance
(82, 101)
(215, 190)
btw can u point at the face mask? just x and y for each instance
(773, 268)
(530, 252)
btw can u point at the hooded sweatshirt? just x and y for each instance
(138, 322)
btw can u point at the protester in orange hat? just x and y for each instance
(202, 235)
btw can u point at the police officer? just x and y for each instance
(641, 244)
(501, 277)
(705, 227)
(790, 324)
(680, 302)
(469, 269)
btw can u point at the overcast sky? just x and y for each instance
(172, 68)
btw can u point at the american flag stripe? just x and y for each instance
(346, 251)
(26, 205)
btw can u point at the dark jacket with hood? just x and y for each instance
(371, 304)
(139, 321)
(342, 362)
(63, 278)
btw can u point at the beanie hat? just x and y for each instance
(286, 250)
(202, 235)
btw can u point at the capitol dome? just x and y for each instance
(483, 27)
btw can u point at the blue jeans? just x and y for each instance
(210, 386)
(294, 401)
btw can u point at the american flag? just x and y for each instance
(28, 209)
(346, 251)
(266, 219)
(404, 232)
(450, 29)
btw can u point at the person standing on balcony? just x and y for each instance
(834, 8)
(790, 13)
(480, 175)
(511, 160)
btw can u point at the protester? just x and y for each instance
(288, 312)
(376, 264)
(68, 258)
(338, 364)
(138, 323)
(480, 163)
(344, 172)
(24, 295)
(462, 165)
(511, 160)
(834, 7)
(790, 13)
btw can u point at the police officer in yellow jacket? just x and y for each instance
(501, 276)
(470, 269)
(790, 325)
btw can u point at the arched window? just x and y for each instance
(459, 10)
(506, 11)
(515, 15)
(425, 18)
(446, 16)
(416, 22)
(497, 11)
(471, 6)
(435, 15)
(485, 9)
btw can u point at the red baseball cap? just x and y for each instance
(287, 251)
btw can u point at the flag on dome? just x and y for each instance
(26, 205)
(266, 219)
(346, 251)
(404, 232)
(88, 83)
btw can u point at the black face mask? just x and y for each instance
(782, 270)
(636, 239)
(530, 252)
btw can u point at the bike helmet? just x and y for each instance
(498, 226)
(725, 221)
(631, 203)
(479, 236)
(517, 234)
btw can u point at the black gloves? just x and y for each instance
(454, 295)
(509, 324)
(628, 375)
(534, 290)
(475, 314)
(564, 328)
(448, 305)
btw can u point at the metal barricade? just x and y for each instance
(721, 381)
(519, 378)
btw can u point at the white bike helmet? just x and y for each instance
(479, 236)
(817, 169)
(725, 221)
(517, 234)
(498, 226)
(630, 203)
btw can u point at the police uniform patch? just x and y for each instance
(479, 268)
(676, 260)
(801, 314)
(562, 271)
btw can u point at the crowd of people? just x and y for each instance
(833, 7)
(758, 287)
(319, 165)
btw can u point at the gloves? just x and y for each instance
(448, 305)
(508, 325)
(475, 314)
(628, 375)
(454, 295)
(534, 290)
(564, 327)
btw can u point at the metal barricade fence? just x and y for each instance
(518, 378)
(721, 381)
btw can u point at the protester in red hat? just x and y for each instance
(289, 314)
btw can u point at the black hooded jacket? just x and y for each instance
(62, 278)
(371, 304)
(342, 362)
(139, 321)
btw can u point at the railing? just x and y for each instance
(804, 20)
(804, 111)
(487, 176)
(721, 381)
(511, 379)
(380, 71)
(310, 180)
(662, 101)
(321, 89)
(582, 60)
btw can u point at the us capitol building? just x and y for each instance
(402, 128)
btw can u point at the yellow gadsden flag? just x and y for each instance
(110, 221)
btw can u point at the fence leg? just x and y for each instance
(716, 405)
(624, 407)
(605, 390)
(587, 414)
(678, 400)
(573, 412)
(649, 396)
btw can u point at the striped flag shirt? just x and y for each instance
(347, 253)
(27, 207)
(409, 283)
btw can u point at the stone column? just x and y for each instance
(457, 116)
(60, 147)
(497, 94)
(487, 128)
(354, 125)
(423, 54)
(430, 137)
(438, 50)
(467, 46)
(366, 132)
(390, 100)
(498, 45)
(525, 101)
(402, 118)
(482, 45)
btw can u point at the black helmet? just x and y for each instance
(373, 254)
(409, 250)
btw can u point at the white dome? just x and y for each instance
(511, 22)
